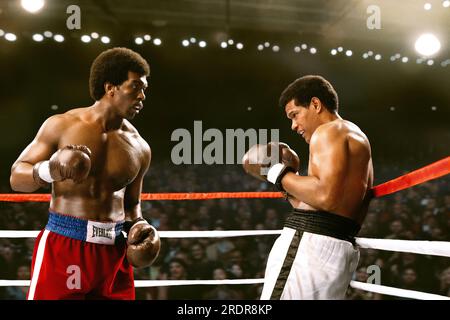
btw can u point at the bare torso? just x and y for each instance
(356, 179)
(119, 160)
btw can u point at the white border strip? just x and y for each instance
(396, 291)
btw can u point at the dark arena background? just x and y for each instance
(225, 63)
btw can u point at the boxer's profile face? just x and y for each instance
(303, 119)
(129, 95)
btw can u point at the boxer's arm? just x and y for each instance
(322, 189)
(132, 198)
(41, 148)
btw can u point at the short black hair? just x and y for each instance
(112, 66)
(305, 88)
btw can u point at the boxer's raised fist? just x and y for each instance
(270, 162)
(71, 162)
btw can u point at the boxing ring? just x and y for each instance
(436, 248)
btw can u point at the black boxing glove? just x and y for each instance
(271, 162)
(143, 243)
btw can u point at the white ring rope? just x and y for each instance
(439, 248)
(436, 248)
(354, 284)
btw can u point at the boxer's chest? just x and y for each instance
(116, 156)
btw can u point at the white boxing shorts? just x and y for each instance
(314, 258)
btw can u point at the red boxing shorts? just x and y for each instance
(80, 259)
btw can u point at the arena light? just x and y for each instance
(58, 38)
(2, 33)
(48, 34)
(32, 6)
(147, 37)
(427, 6)
(370, 53)
(230, 42)
(405, 59)
(185, 43)
(365, 55)
(304, 46)
(313, 50)
(446, 3)
(266, 44)
(378, 57)
(105, 39)
(223, 44)
(38, 37)
(202, 44)
(430, 62)
(348, 53)
(427, 44)
(94, 35)
(275, 48)
(157, 41)
(340, 49)
(193, 40)
(139, 41)
(260, 47)
(239, 46)
(10, 37)
(85, 38)
(297, 49)
(433, 108)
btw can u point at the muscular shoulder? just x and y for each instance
(331, 131)
(336, 132)
(65, 119)
(128, 127)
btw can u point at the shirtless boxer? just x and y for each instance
(95, 161)
(315, 255)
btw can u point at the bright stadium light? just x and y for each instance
(10, 37)
(185, 43)
(105, 39)
(58, 38)
(85, 38)
(446, 3)
(239, 46)
(38, 37)
(32, 6)
(427, 44)
(157, 42)
(139, 41)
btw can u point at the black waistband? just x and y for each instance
(324, 223)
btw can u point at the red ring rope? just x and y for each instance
(429, 172)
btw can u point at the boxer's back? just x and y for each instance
(355, 175)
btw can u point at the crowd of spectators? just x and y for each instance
(419, 213)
